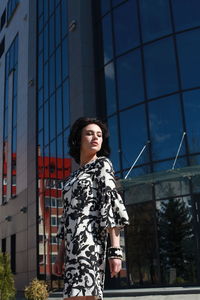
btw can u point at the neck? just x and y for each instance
(86, 159)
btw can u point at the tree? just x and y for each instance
(175, 232)
(7, 289)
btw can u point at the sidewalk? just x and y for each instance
(178, 293)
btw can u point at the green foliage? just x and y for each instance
(176, 237)
(179, 280)
(7, 289)
(37, 290)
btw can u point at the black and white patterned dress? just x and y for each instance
(91, 204)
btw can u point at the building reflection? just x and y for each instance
(51, 173)
(12, 188)
(162, 241)
(5, 164)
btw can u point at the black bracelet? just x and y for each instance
(115, 252)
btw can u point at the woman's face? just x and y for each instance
(91, 139)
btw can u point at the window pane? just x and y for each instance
(46, 52)
(58, 66)
(126, 26)
(168, 164)
(46, 81)
(105, 6)
(51, 6)
(52, 117)
(186, 13)
(52, 34)
(59, 110)
(130, 80)
(60, 146)
(15, 81)
(65, 104)
(40, 118)
(40, 97)
(192, 109)
(46, 123)
(160, 67)
(52, 73)
(176, 239)
(166, 128)
(116, 2)
(52, 156)
(133, 135)
(64, 58)
(141, 237)
(189, 49)
(40, 71)
(40, 22)
(40, 42)
(14, 112)
(114, 142)
(40, 7)
(64, 17)
(11, 57)
(107, 38)
(110, 88)
(46, 9)
(155, 19)
(40, 143)
(66, 149)
(58, 33)
(14, 142)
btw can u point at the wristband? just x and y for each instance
(115, 252)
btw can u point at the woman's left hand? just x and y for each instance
(115, 266)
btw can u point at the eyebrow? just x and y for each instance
(88, 130)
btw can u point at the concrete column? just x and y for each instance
(81, 59)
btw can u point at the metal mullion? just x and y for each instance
(145, 87)
(179, 82)
(117, 97)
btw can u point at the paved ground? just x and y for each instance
(159, 297)
(179, 293)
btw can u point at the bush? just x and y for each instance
(37, 290)
(179, 280)
(7, 288)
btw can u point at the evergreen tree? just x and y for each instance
(175, 232)
(7, 289)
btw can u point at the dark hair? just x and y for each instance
(74, 140)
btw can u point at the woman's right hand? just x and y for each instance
(58, 266)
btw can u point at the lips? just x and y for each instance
(94, 144)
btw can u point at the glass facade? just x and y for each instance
(53, 163)
(10, 119)
(11, 7)
(148, 73)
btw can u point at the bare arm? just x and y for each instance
(114, 236)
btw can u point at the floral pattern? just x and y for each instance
(91, 204)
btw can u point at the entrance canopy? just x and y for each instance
(161, 185)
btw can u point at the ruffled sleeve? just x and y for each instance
(112, 210)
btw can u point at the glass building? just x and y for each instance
(148, 75)
(135, 64)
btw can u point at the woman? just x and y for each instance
(92, 209)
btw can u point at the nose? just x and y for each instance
(95, 136)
